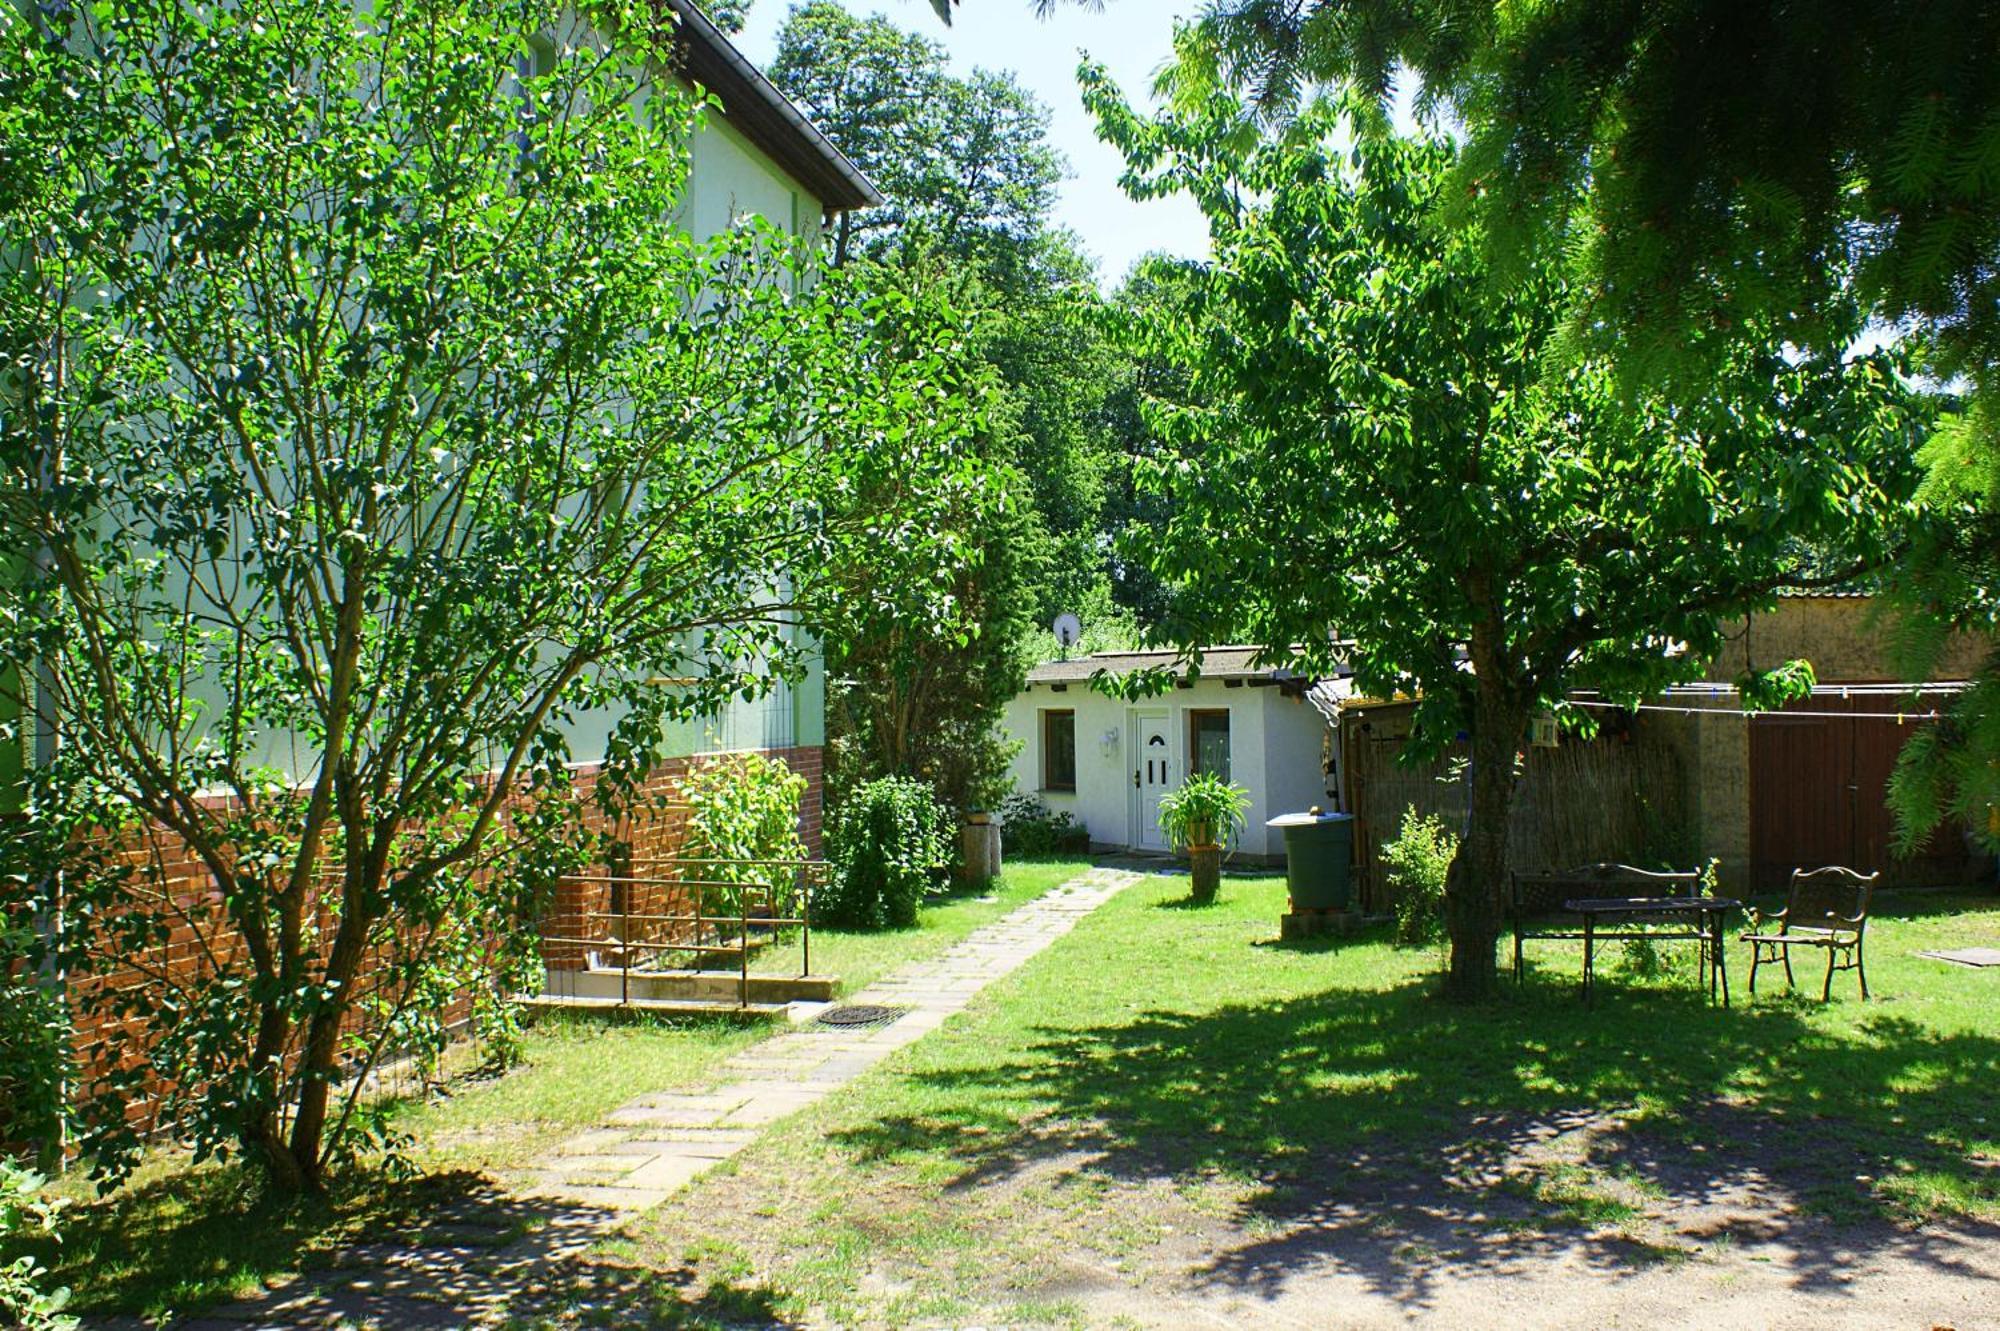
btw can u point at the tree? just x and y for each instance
(971, 177)
(1718, 169)
(965, 163)
(1378, 445)
(367, 425)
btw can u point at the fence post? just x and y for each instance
(624, 945)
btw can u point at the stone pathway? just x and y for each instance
(659, 1143)
(474, 1263)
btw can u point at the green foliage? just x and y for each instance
(24, 1302)
(970, 176)
(964, 162)
(1030, 827)
(373, 425)
(1204, 811)
(1418, 860)
(1715, 173)
(744, 807)
(34, 1036)
(889, 843)
(1379, 445)
(1712, 170)
(1948, 586)
(920, 693)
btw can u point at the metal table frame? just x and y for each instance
(1706, 928)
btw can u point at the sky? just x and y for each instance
(1132, 38)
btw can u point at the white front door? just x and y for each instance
(1152, 776)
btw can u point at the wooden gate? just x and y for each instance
(1819, 792)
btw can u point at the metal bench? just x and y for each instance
(1535, 903)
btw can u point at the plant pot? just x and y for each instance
(1205, 868)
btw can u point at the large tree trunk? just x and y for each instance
(1475, 889)
(1476, 886)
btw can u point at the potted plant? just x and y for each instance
(1200, 817)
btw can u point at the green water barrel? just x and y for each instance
(1319, 858)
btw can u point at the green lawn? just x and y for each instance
(181, 1237)
(1164, 1070)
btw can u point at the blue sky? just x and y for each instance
(1131, 37)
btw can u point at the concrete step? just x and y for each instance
(682, 1006)
(702, 985)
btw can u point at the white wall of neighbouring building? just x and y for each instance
(1276, 748)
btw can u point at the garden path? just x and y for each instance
(658, 1143)
(475, 1264)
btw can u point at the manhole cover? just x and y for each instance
(860, 1014)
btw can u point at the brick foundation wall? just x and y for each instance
(105, 1043)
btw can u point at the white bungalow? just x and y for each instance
(1107, 762)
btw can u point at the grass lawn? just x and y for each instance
(182, 1237)
(1167, 1095)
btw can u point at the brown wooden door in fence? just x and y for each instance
(1819, 792)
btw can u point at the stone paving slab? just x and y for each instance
(647, 1149)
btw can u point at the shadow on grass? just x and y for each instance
(443, 1250)
(1367, 1124)
(603, 1294)
(208, 1235)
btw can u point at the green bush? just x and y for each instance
(34, 1040)
(888, 843)
(1418, 860)
(744, 806)
(1030, 827)
(23, 1210)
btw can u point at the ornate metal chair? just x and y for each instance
(1824, 908)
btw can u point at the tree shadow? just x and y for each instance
(208, 1235)
(1371, 1123)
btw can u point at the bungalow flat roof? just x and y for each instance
(1216, 663)
(768, 118)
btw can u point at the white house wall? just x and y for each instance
(1274, 743)
(728, 179)
(1295, 748)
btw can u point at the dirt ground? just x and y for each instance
(1564, 1224)
(1581, 1222)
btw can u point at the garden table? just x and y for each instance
(1698, 918)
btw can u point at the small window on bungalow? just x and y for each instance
(1208, 741)
(1059, 750)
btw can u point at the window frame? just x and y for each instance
(1049, 783)
(1195, 715)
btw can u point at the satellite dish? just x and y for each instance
(1069, 631)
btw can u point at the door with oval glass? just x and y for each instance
(1152, 776)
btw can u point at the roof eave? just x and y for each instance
(765, 116)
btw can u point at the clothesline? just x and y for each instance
(1898, 717)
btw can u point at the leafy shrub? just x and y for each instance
(888, 843)
(1418, 860)
(23, 1209)
(34, 1048)
(1206, 810)
(1030, 827)
(744, 806)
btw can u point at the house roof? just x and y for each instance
(1216, 663)
(767, 117)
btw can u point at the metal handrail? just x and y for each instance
(808, 873)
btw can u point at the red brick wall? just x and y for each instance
(186, 953)
(588, 909)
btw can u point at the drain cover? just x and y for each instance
(860, 1014)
